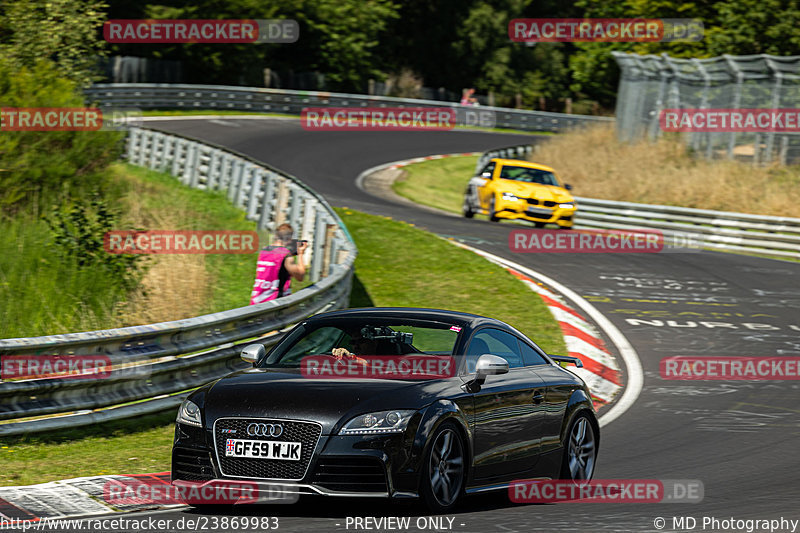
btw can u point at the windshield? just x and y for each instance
(529, 175)
(375, 338)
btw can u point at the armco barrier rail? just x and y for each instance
(254, 99)
(723, 230)
(155, 365)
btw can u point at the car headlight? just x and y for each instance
(510, 197)
(566, 206)
(380, 422)
(189, 414)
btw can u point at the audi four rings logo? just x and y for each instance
(265, 430)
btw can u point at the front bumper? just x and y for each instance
(520, 209)
(260, 492)
(351, 465)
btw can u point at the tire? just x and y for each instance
(466, 208)
(443, 470)
(492, 215)
(580, 450)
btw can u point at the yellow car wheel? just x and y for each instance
(492, 215)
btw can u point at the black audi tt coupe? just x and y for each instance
(393, 403)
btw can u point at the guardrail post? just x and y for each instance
(294, 207)
(319, 245)
(255, 189)
(238, 176)
(280, 203)
(178, 156)
(328, 249)
(213, 170)
(265, 222)
(306, 231)
(242, 185)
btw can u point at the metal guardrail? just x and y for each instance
(511, 152)
(722, 230)
(255, 99)
(154, 365)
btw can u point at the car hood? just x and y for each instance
(285, 393)
(536, 190)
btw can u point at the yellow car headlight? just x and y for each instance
(507, 196)
(566, 206)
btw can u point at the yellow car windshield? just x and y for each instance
(529, 175)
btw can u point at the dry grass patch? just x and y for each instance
(663, 172)
(174, 286)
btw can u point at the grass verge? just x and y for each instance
(43, 295)
(437, 183)
(397, 265)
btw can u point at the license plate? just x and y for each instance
(262, 449)
(538, 211)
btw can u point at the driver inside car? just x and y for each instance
(360, 345)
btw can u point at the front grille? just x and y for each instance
(306, 433)
(191, 465)
(546, 203)
(350, 474)
(544, 216)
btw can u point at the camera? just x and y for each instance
(384, 332)
(293, 245)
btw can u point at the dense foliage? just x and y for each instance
(458, 43)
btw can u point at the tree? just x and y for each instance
(62, 31)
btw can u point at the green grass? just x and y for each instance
(113, 448)
(41, 293)
(397, 265)
(437, 183)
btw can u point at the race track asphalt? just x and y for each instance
(739, 438)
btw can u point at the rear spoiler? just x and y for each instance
(566, 359)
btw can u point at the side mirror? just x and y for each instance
(486, 175)
(252, 353)
(490, 365)
(487, 365)
(567, 186)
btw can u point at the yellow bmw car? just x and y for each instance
(513, 189)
